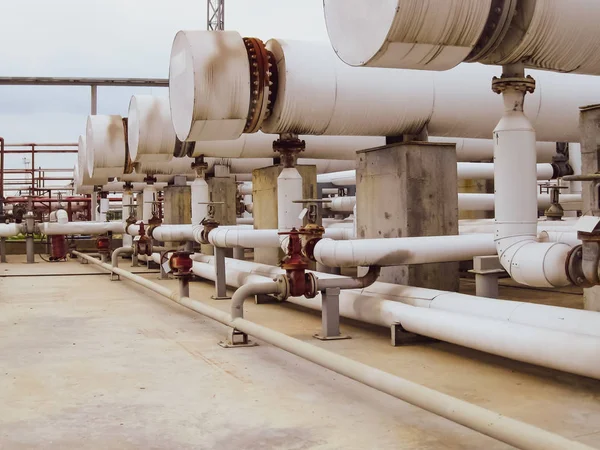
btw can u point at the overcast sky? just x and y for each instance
(112, 38)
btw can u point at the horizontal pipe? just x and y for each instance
(81, 228)
(470, 202)
(487, 422)
(10, 229)
(398, 251)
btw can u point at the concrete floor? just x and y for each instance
(87, 363)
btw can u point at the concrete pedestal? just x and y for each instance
(177, 207)
(264, 203)
(222, 189)
(406, 190)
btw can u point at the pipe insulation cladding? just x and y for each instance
(105, 146)
(150, 133)
(552, 35)
(314, 93)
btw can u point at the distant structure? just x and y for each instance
(215, 15)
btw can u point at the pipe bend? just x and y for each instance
(117, 252)
(537, 264)
(247, 290)
(350, 283)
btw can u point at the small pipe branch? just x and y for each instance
(248, 290)
(350, 283)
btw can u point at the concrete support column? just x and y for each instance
(223, 189)
(177, 207)
(589, 128)
(404, 190)
(264, 204)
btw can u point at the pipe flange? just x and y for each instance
(574, 267)
(526, 84)
(283, 290)
(495, 30)
(311, 289)
(261, 63)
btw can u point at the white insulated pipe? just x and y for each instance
(10, 229)
(289, 189)
(464, 171)
(399, 251)
(492, 424)
(526, 260)
(318, 94)
(470, 202)
(81, 228)
(126, 211)
(148, 199)
(438, 35)
(459, 318)
(200, 196)
(104, 207)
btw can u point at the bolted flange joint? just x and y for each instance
(504, 83)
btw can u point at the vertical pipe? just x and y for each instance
(127, 199)
(200, 197)
(289, 188)
(32, 169)
(148, 196)
(2, 173)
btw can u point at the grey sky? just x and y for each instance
(112, 38)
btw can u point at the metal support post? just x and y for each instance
(94, 100)
(134, 261)
(220, 280)
(238, 253)
(163, 273)
(330, 316)
(402, 337)
(487, 270)
(2, 250)
(184, 286)
(30, 248)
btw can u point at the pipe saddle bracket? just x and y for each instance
(401, 337)
(237, 339)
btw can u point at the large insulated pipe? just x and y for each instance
(10, 229)
(438, 35)
(492, 424)
(150, 134)
(316, 93)
(105, 146)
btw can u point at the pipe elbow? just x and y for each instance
(537, 264)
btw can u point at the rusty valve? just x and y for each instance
(295, 264)
(181, 264)
(103, 243)
(143, 244)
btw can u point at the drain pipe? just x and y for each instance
(527, 260)
(119, 251)
(489, 423)
(249, 290)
